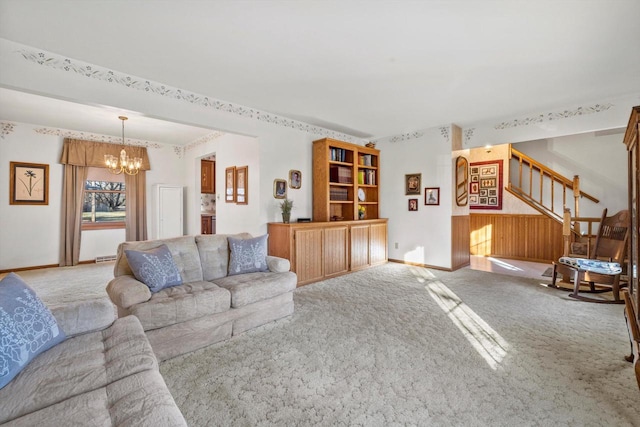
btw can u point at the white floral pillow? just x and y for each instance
(155, 267)
(248, 255)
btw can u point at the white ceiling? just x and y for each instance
(366, 68)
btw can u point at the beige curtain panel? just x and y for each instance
(88, 153)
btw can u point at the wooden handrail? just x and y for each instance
(544, 170)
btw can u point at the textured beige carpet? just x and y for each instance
(400, 345)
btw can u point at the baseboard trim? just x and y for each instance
(40, 267)
(417, 264)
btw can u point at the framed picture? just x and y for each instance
(29, 183)
(295, 179)
(412, 183)
(413, 204)
(486, 183)
(432, 196)
(242, 185)
(230, 184)
(280, 188)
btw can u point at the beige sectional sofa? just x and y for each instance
(210, 305)
(103, 374)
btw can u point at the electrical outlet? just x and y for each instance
(396, 245)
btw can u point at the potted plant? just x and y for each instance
(285, 206)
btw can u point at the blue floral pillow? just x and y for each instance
(154, 267)
(27, 327)
(248, 255)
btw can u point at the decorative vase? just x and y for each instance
(285, 217)
(360, 215)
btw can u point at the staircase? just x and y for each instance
(550, 193)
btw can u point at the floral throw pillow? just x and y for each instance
(248, 255)
(154, 267)
(27, 327)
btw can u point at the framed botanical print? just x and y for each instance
(242, 185)
(230, 184)
(486, 185)
(29, 183)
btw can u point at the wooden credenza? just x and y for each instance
(320, 250)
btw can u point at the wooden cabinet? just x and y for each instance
(320, 250)
(345, 181)
(207, 176)
(208, 225)
(632, 295)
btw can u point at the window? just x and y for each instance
(104, 201)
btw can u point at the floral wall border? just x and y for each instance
(6, 128)
(51, 60)
(88, 136)
(558, 115)
(468, 134)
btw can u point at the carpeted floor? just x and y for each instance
(399, 345)
(402, 345)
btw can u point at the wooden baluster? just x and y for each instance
(576, 194)
(566, 230)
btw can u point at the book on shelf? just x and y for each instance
(340, 174)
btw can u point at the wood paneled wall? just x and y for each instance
(460, 241)
(527, 237)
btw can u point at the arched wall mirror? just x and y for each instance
(462, 178)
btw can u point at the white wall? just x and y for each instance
(423, 237)
(30, 235)
(600, 161)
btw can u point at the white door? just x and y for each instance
(169, 222)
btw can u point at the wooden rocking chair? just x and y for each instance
(610, 249)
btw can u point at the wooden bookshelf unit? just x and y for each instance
(345, 180)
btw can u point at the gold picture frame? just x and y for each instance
(230, 184)
(295, 179)
(280, 188)
(413, 183)
(29, 183)
(242, 185)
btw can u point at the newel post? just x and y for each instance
(576, 194)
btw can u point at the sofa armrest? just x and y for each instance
(277, 264)
(126, 291)
(80, 317)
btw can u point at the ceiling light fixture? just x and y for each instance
(125, 164)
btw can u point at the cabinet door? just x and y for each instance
(336, 250)
(308, 255)
(359, 246)
(378, 244)
(207, 176)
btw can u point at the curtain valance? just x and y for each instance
(89, 153)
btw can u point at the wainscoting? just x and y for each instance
(527, 237)
(459, 241)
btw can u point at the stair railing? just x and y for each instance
(537, 185)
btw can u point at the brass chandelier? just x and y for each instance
(126, 164)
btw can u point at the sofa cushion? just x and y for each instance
(183, 250)
(27, 327)
(214, 255)
(248, 255)
(253, 287)
(154, 267)
(181, 303)
(78, 365)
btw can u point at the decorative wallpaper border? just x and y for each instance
(444, 131)
(6, 128)
(558, 115)
(106, 75)
(468, 134)
(88, 136)
(406, 136)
